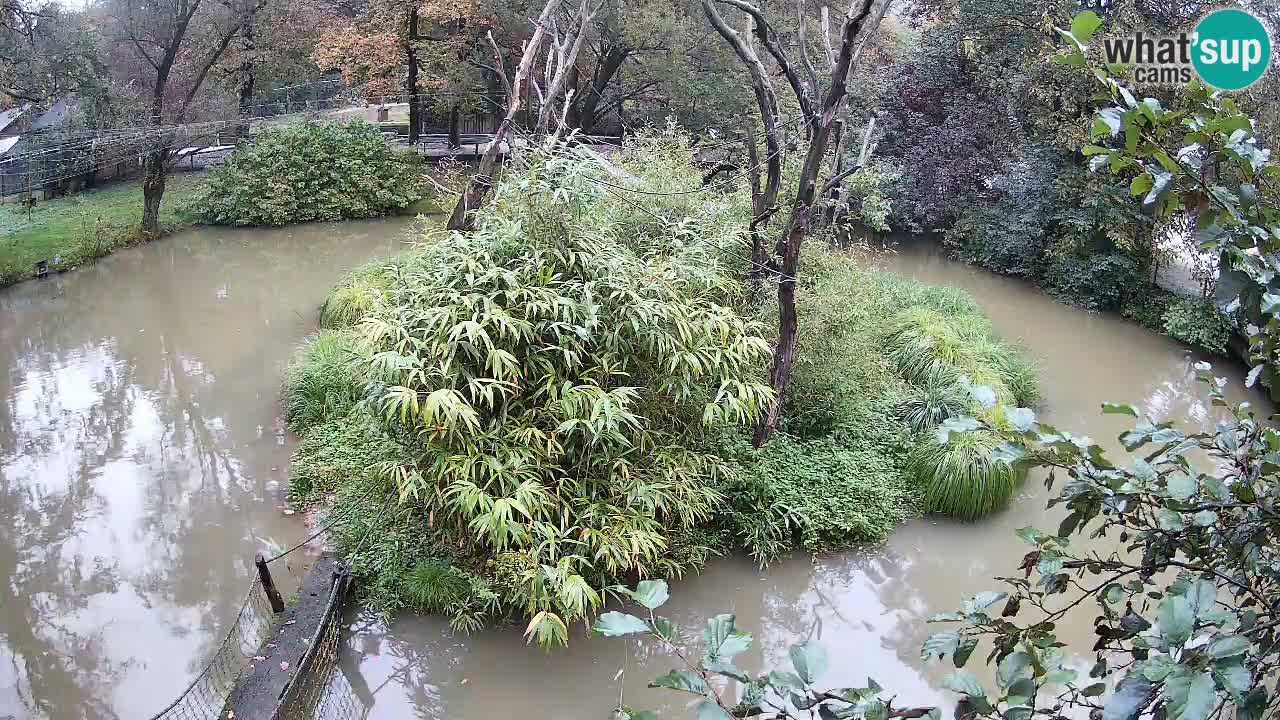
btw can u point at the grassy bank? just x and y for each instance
(509, 423)
(75, 229)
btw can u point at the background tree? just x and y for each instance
(819, 117)
(169, 47)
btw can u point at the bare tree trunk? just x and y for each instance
(765, 203)
(247, 73)
(565, 54)
(478, 187)
(154, 171)
(455, 137)
(862, 20)
(411, 81)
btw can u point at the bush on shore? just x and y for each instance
(310, 172)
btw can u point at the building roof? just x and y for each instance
(56, 115)
(10, 116)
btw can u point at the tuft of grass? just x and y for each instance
(436, 587)
(962, 477)
(75, 229)
(323, 381)
(941, 396)
(360, 293)
(923, 341)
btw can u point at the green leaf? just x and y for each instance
(1084, 24)
(722, 639)
(810, 660)
(652, 594)
(1177, 620)
(1181, 486)
(963, 652)
(1119, 408)
(1169, 521)
(1013, 667)
(940, 645)
(1157, 667)
(781, 680)
(1140, 185)
(615, 624)
(1228, 646)
(1113, 594)
(1088, 150)
(1190, 695)
(1020, 418)
(1095, 690)
(1030, 535)
(683, 680)
(1131, 696)
(1075, 58)
(964, 682)
(709, 710)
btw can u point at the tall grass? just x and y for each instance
(962, 477)
(323, 381)
(360, 293)
(941, 396)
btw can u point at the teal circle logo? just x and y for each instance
(1231, 49)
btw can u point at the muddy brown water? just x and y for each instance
(143, 461)
(143, 457)
(868, 607)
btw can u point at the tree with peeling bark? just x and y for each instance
(819, 112)
(175, 44)
(564, 52)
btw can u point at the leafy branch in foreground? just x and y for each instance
(776, 695)
(1186, 587)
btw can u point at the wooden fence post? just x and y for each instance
(268, 585)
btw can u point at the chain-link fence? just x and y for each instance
(321, 691)
(205, 697)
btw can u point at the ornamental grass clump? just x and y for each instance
(957, 367)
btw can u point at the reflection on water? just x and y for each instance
(143, 457)
(868, 607)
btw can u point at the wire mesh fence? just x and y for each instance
(205, 697)
(321, 691)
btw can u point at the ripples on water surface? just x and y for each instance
(143, 458)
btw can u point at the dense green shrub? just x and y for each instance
(1199, 323)
(548, 376)
(307, 172)
(1147, 307)
(561, 399)
(1094, 282)
(323, 382)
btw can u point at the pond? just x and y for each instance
(868, 607)
(143, 459)
(143, 462)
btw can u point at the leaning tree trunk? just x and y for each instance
(478, 187)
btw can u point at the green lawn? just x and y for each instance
(72, 230)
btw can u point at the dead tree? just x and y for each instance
(477, 189)
(562, 58)
(861, 21)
